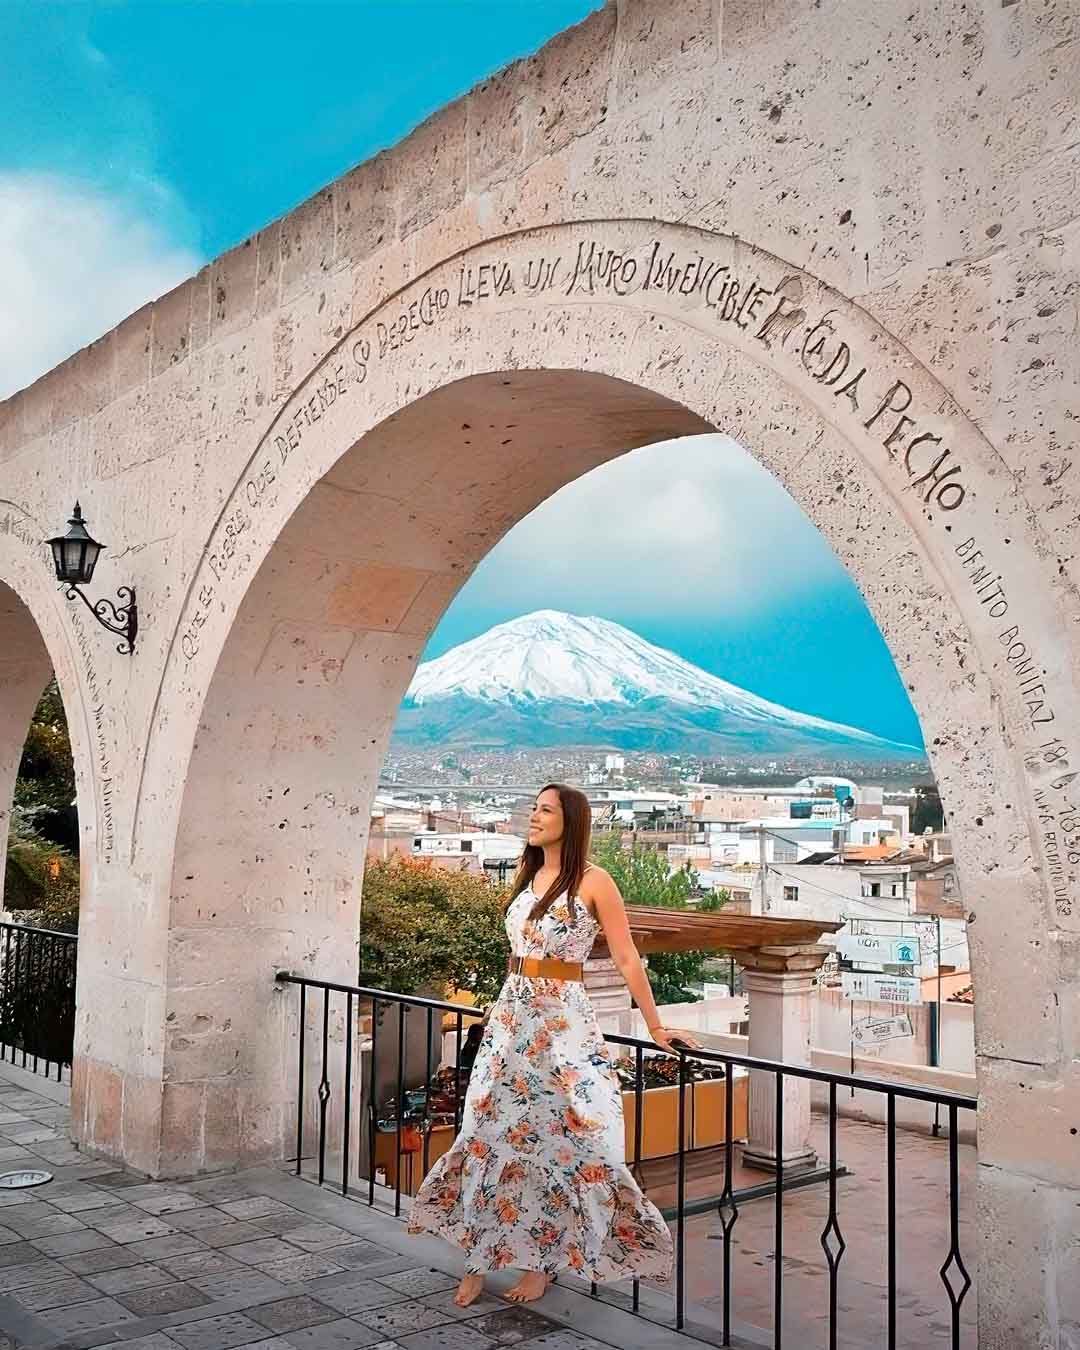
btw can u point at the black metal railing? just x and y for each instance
(37, 998)
(415, 1119)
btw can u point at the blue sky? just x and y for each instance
(140, 139)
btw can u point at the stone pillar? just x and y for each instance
(779, 982)
(605, 986)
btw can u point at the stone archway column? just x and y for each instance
(780, 985)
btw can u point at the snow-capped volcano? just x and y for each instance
(550, 678)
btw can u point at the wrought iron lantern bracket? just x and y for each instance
(121, 620)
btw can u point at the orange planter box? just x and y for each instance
(704, 1120)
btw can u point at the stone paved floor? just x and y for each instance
(258, 1259)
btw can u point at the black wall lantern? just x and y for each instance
(75, 556)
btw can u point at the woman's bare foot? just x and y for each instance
(469, 1290)
(532, 1285)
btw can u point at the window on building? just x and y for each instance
(950, 882)
(791, 892)
(466, 846)
(418, 843)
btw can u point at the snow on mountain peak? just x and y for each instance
(551, 656)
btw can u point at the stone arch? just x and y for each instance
(631, 364)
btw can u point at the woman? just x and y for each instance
(537, 1177)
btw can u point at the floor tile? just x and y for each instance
(511, 1326)
(52, 1226)
(398, 1319)
(293, 1314)
(36, 1272)
(413, 1283)
(572, 1340)
(112, 1257)
(157, 1340)
(83, 1202)
(305, 1267)
(226, 1233)
(126, 1279)
(68, 1244)
(21, 1253)
(218, 1333)
(254, 1207)
(247, 1285)
(362, 1255)
(55, 1294)
(318, 1237)
(206, 1216)
(176, 1244)
(355, 1298)
(30, 1134)
(92, 1316)
(9, 1235)
(344, 1334)
(136, 1230)
(164, 1298)
(280, 1222)
(460, 1336)
(261, 1251)
(484, 1304)
(169, 1202)
(200, 1263)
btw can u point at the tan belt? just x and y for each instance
(545, 968)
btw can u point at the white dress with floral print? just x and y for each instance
(537, 1177)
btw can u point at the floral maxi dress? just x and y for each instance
(537, 1177)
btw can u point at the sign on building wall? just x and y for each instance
(876, 949)
(878, 1030)
(881, 988)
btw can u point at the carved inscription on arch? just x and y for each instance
(905, 426)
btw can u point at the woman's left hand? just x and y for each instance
(663, 1036)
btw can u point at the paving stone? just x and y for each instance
(399, 1319)
(136, 1230)
(52, 1226)
(67, 1244)
(484, 1304)
(255, 1207)
(29, 1207)
(12, 1118)
(361, 1255)
(305, 1267)
(83, 1202)
(164, 1298)
(424, 1280)
(127, 1278)
(261, 1251)
(293, 1314)
(9, 1235)
(206, 1216)
(319, 1237)
(101, 1218)
(92, 1316)
(355, 1298)
(157, 1340)
(218, 1333)
(30, 1134)
(233, 1230)
(246, 1286)
(221, 1188)
(169, 1202)
(459, 1336)
(344, 1334)
(20, 1253)
(13, 1153)
(511, 1326)
(280, 1224)
(56, 1294)
(38, 1272)
(107, 1258)
(119, 1181)
(176, 1244)
(570, 1340)
(194, 1264)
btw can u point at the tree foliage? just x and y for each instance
(423, 928)
(644, 877)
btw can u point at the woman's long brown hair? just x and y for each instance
(577, 831)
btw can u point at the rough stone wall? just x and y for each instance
(905, 175)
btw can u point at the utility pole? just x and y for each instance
(763, 869)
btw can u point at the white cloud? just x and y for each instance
(74, 261)
(682, 527)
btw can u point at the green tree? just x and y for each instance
(644, 877)
(426, 928)
(45, 786)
